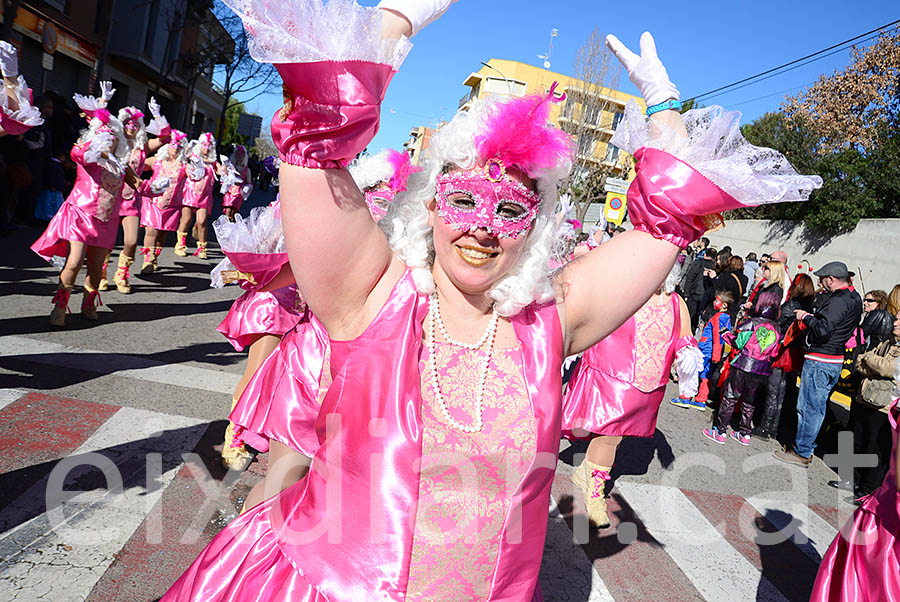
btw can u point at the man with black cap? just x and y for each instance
(836, 314)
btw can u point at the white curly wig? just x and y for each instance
(123, 149)
(369, 170)
(140, 138)
(410, 236)
(163, 153)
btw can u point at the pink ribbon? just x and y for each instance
(599, 485)
(62, 298)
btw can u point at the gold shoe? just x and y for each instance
(181, 244)
(89, 304)
(149, 265)
(104, 283)
(235, 455)
(157, 250)
(60, 305)
(592, 482)
(122, 274)
(201, 250)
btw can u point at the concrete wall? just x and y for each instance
(872, 250)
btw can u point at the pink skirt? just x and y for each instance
(232, 200)
(131, 207)
(160, 219)
(197, 201)
(72, 223)
(867, 570)
(605, 405)
(254, 313)
(281, 401)
(244, 562)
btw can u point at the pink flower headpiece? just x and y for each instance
(178, 138)
(403, 168)
(206, 140)
(92, 107)
(517, 133)
(381, 195)
(133, 114)
(575, 223)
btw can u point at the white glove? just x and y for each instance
(418, 12)
(646, 71)
(159, 185)
(106, 92)
(114, 162)
(246, 189)
(195, 169)
(9, 60)
(154, 108)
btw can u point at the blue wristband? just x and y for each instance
(663, 106)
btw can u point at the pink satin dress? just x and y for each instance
(619, 383)
(234, 198)
(863, 562)
(199, 194)
(90, 213)
(131, 199)
(164, 211)
(255, 313)
(372, 519)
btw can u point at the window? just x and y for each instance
(498, 85)
(612, 153)
(586, 145)
(616, 119)
(151, 28)
(60, 5)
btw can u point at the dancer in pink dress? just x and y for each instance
(618, 385)
(437, 441)
(17, 115)
(86, 224)
(164, 213)
(863, 562)
(239, 185)
(198, 193)
(130, 211)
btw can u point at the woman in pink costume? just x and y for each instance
(139, 147)
(617, 387)
(198, 193)
(240, 185)
(437, 441)
(287, 388)
(164, 213)
(86, 224)
(17, 116)
(863, 562)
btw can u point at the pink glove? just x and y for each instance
(331, 111)
(670, 200)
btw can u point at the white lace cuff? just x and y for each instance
(157, 125)
(307, 31)
(27, 114)
(716, 148)
(260, 232)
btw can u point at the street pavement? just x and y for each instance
(110, 482)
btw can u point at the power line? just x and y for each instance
(809, 56)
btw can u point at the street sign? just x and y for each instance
(49, 38)
(616, 185)
(47, 61)
(614, 210)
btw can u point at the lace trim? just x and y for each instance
(306, 31)
(716, 148)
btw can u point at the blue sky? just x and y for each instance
(703, 44)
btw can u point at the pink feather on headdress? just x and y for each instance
(403, 168)
(517, 132)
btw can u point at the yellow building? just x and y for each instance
(589, 113)
(419, 137)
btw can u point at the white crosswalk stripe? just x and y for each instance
(813, 534)
(714, 567)
(61, 554)
(64, 356)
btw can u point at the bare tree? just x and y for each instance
(241, 76)
(590, 114)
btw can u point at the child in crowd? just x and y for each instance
(711, 343)
(757, 342)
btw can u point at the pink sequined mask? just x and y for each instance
(486, 198)
(379, 198)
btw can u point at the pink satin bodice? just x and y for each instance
(622, 354)
(884, 502)
(171, 198)
(202, 188)
(370, 434)
(97, 189)
(136, 161)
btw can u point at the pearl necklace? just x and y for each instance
(434, 314)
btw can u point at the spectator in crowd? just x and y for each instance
(711, 345)
(693, 285)
(783, 258)
(736, 265)
(700, 247)
(757, 342)
(894, 301)
(835, 316)
(728, 279)
(868, 414)
(750, 267)
(39, 142)
(878, 323)
(775, 280)
(790, 358)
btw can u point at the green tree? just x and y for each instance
(229, 130)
